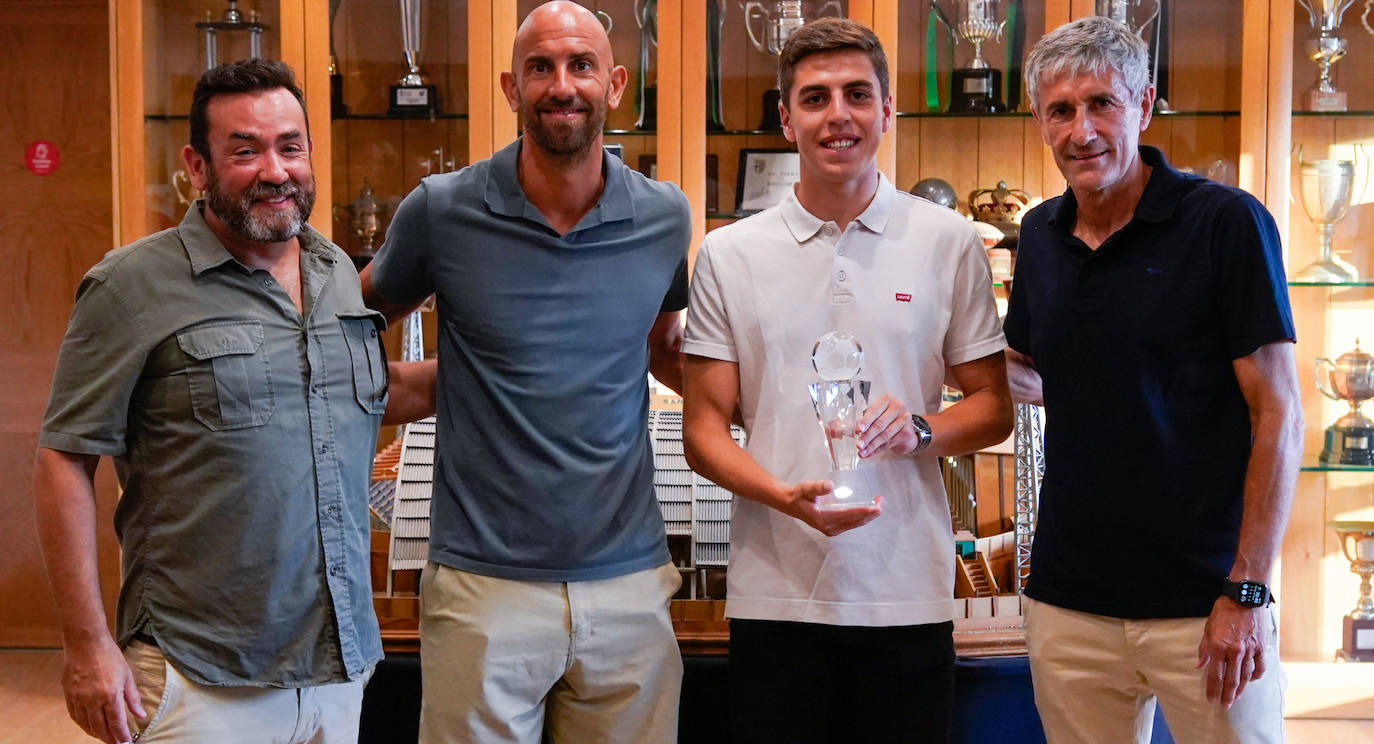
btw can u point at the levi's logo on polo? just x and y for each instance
(903, 297)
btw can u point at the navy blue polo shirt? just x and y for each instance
(1147, 434)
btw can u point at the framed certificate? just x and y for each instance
(764, 178)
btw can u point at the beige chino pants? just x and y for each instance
(503, 661)
(1097, 680)
(184, 712)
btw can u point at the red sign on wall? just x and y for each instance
(41, 157)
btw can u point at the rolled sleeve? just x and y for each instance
(99, 364)
(974, 330)
(708, 324)
(401, 271)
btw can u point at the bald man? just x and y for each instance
(545, 601)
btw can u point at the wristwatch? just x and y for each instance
(1247, 593)
(923, 434)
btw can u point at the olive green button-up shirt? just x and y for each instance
(242, 433)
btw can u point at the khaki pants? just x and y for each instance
(587, 661)
(183, 712)
(1097, 680)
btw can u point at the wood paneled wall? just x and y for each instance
(54, 86)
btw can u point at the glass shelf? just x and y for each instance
(948, 115)
(629, 132)
(744, 132)
(1311, 464)
(1336, 114)
(384, 117)
(1356, 283)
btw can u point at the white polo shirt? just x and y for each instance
(910, 280)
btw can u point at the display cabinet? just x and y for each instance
(1328, 172)
(1238, 80)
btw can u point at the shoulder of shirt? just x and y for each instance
(748, 232)
(645, 190)
(930, 215)
(1210, 193)
(469, 178)
(144, 254)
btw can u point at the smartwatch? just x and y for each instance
(1247, 593)
(923, 434)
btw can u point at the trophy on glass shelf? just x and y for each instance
(365, 216)
(1138, 15)
(777, 25)
(1326, 50)
(1326, 187)
(412, 95)
(1357, 542)
(840, 400)
(646, 91)
(1349, 441)
(715, 26)
(976, 88)
(231, 21)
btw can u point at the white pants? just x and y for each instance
(503, 661)
(1097, 680)
(183, 712)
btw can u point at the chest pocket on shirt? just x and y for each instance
(363, 333)
(228, 373)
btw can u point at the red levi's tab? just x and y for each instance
(903, 297)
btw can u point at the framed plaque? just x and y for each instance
(615, 148)
(764, 178)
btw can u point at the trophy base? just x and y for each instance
(337, 108)
(1349, 446)
(772, 120)
(1358, 644)
(413, 101)
(853, 489)
(1326, 100)
(976, 91)
(1334, 270)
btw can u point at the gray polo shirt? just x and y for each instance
(543, 469)
(242, 435)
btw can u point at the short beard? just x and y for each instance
(569, 142)
(237, 214)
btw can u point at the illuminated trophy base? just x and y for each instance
(1326, 100)
(853, 488)
(976, 91)
(1349, 445)
(1359, 640)
(413, 101)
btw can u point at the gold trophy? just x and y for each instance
(1349, 441)
(365, 216)
(1357, 541)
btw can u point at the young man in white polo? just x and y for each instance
(841, 620)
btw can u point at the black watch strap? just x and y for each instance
(1247, 593)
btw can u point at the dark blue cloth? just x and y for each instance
(1147, 435)
(543, 470)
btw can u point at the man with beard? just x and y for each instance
(230, 368)
(544, 605)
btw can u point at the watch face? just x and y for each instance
(1250, 593)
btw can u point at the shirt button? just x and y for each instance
(841, 250)
(266, 282)
(372, 333)
(841, 275)
(827, 231)
(324, 448)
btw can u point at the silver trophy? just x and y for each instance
(1327, 187)
(412, 95)
(840, 400)
(976, 88)
(1137, 15)
(1349, 441)
(1357, 542)
(233, 21)
(1325, 50)
(1125, 11)
(776, 26)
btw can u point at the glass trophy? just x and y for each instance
(840, 400)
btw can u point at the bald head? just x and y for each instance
(560, 20)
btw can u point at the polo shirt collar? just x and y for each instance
(206, 252)
(1165, 189)
(804, 225)
(505, 197)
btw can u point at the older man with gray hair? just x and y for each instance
(1150, 316)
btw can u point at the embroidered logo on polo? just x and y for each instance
(903, 297)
